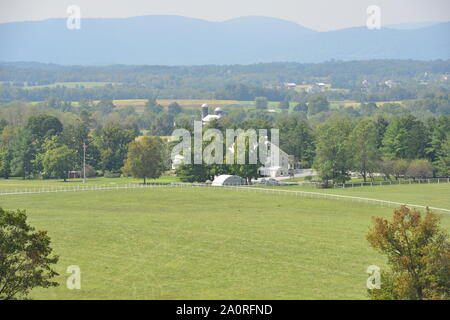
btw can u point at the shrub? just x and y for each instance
(420, 168)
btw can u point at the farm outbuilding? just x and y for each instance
(228, 180)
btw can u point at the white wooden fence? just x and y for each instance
(297, 193)
(382, 183)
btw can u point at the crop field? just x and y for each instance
(138, 104)
(200, 243)
(355, 104)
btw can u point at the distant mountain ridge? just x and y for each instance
(176, 40)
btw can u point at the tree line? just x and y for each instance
(367, 81)
(44, 140)
(399, 147)
(44, 148)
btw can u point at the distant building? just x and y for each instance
(278, 163)
(389, 83)
(206, 117)
(274, 167)
(317, 87)
(290, 85)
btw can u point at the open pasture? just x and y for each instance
(200, 243)
(433, 194)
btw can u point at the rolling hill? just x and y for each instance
(176, 40)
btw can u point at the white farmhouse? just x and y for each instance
(278, 163)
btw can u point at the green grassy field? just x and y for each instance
(433, 194)
(20, 184)
(197, 243)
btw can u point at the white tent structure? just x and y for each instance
(228, 180)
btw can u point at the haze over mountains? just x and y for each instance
(176, 40)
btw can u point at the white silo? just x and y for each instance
(204, 110)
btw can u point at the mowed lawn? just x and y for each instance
(18, 184)
(167, 243)
(183, 243)
(433, 194)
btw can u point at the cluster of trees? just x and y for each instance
(342, 74)
(399, 147)
(205, 171)
(47, 138)
(45, 148)
(316, 107)
(403, 147)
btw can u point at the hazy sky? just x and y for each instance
(316, 14)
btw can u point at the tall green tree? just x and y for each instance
(145, 158)
(381, 124)
(42, 126)
(296, 138)
(174, 108)
(151, 106)
(439, 129)
(75, 136)
(162, 124)
(316, 104)
(23, 154)
(57, 162)
(362, 146)
(443, 161)
(333, 160)
(406, 138)
(5, 162)
(112, 143)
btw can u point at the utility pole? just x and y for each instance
(84, 162)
